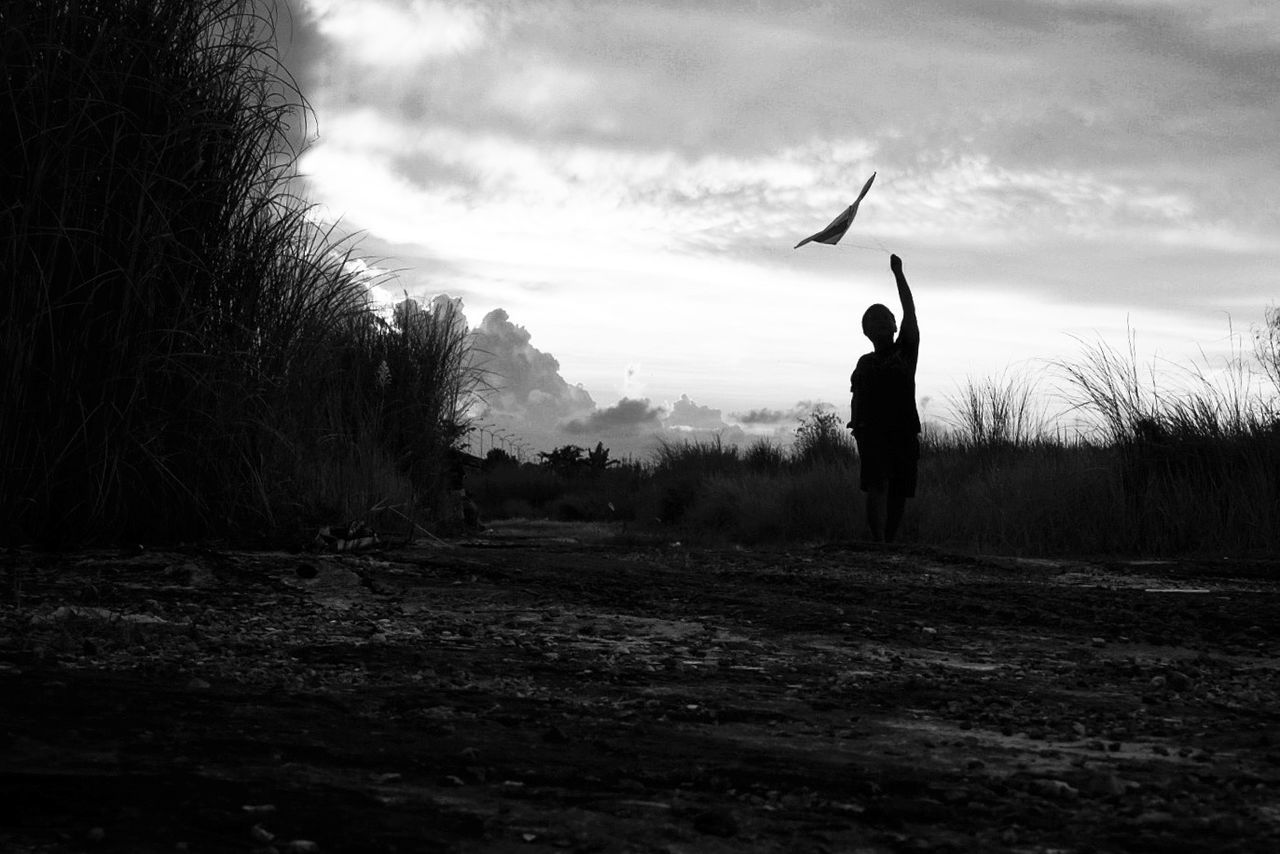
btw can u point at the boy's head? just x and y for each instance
(879, 324)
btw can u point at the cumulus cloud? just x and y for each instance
(628, 417)
(686, 413)
(525, 382)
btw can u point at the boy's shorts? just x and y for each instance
(889, 461)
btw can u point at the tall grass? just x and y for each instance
(1199, 468)
(1194, 471)
(180, 339)
(1000, 411)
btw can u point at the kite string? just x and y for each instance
(880, 247)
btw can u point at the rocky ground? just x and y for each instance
(548, 688)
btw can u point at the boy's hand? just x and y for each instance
(895, 264)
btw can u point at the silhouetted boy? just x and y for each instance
(883, 414)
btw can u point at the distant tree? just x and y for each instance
(564, 460)
(598, 458)
(498, 458)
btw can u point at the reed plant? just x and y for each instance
(180, 338)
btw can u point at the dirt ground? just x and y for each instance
(547, 688)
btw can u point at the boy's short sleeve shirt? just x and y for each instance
(885, 387)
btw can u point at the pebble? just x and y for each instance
(1055, 789)
(258, 833)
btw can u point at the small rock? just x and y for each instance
(258, 833)
(197, 684)
(259, 809)
(1055, 789)
(190, 574)
(1098, 641)
(301, 846)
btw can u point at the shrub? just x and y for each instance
(764, 457)
(822, 439)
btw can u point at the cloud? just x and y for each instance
(686, 413)
(628, 417)
(526, 382)
(383, 33)
(715, 131)
(623, 158)
(779, 417)
(766, 417)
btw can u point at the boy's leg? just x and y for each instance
(876, 514)
(896, 506)
(873, 478)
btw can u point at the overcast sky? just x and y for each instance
(627, 179)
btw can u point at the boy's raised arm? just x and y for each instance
(910, 330)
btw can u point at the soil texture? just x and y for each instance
(543, 688)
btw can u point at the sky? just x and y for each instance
(614, 189)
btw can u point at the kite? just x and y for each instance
(832, 233)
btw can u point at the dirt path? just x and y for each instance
(541, 690)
